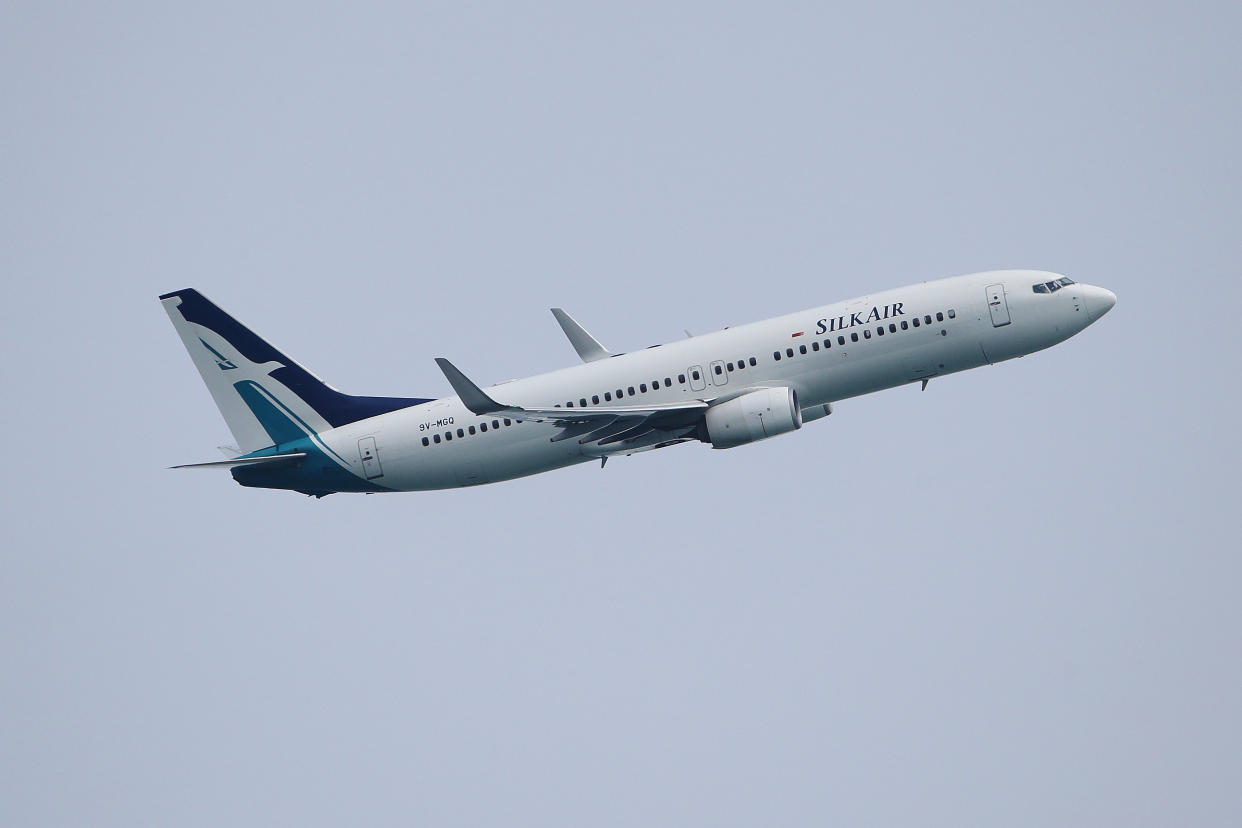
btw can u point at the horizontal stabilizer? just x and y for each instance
(244, 461)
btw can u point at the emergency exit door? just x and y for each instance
(997, 306)
(370, 458)
(697, 381)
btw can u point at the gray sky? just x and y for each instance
(1012, 599)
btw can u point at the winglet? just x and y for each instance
(587, 346)
(471, 395)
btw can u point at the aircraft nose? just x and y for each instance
(1097, 301)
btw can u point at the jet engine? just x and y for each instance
(756, 415)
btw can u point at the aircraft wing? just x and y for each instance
(605, 425)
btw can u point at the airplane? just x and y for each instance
(727, 388)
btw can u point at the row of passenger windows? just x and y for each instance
(462, 432)
(718, 368)
(866, 334)
(1053, 286)
(741, 365)
(630, 390)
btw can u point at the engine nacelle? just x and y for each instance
(753, 416)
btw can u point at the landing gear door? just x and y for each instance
(697, 381)
(997, 306)
(369, 455)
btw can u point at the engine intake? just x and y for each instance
(753, 416)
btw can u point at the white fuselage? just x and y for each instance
(967, 329)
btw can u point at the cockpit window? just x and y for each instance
(1053, 286)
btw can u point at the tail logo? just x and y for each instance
(223, 363)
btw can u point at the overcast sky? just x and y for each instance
(1010, 600)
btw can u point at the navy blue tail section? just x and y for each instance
(336, 408)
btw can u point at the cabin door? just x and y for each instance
(997, 306)
(369, 454)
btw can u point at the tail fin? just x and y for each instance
(265, 397)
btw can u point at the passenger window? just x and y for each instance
(619, 394)
(802, 349)
(892, 328)
(483, 427)
(508, 421)
(952, 313)
(741, 363)
(471, 429)
(927, 319)
(681, 378)
(730, 366)
(916, 322)
(867, 333)
(853, 337)
(668, 383)
(939, 317)
(815, 345)
(904, 325)
(753, 362)
(880, 330)
(642, 387)
(426, 442)
(789, 352)
(694, 374)
(495, 423)
(827, 343)
(776, 355)
(718, 371)
(461, 432)
(840, 340)
(607, 396)
(582, 402)
(631, 390)
(436, 437)
(569, 405)
(448, 435)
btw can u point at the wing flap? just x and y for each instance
(607, 412)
